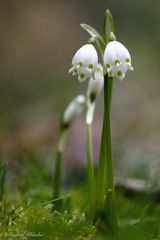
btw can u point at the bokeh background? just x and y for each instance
(37, 42)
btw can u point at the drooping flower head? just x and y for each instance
(117, 60)
(73, 110)
(84, 62)
(96, 83)
(95, 86)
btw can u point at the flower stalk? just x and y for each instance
(116, 63)
(94, 88)
(58, 163)
(107, 133)
(105, 159)
(103, 176)
(108, 84)
(90, 166)
(105, 169)
(3, 170)
(72, 111)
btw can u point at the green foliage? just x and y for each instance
(34, 214)
(31, 210)
(139, 217)
(39, 220)
(3, 168)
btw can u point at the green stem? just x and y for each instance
(3, 169)
(90, 165)
(109, 206)
(104, 149)
(107, 133)
(57, 170)
(57, 175)
(107, 201)
(105, 170)
(101, 175)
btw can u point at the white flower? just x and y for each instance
(94, 88)
(117, 60)
(73, 110)
(84, 62)
(96, 83)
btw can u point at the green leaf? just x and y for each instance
(3, 169)
(93, 32)
(110, 213)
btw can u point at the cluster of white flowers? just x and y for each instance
(116, 60)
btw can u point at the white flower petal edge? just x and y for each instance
(74, 109)
(117, 60)
(96, 84)
(84, 62)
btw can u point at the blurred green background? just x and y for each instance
(37, 42)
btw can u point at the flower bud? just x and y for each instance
(117, 60)
(84, 62)
(96, 83)
(73, 110)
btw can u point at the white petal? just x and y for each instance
(130, 68)
(96, 84)
(71, 70)
(85, 61)
(117, 59)
(73, 109)
(80, 99)
(86, 55)
(121, 51)
(84, 71)
(109, 55)
(80, 79)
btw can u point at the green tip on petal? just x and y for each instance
(119, 74)
(108, 65)
(90, 66)
(117, 62)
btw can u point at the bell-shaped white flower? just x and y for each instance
(96, 83)
(73, 110)
(94, 88)
(84, 62)
(117, 60)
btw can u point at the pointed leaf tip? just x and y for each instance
(95, 34)
(108, 25)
